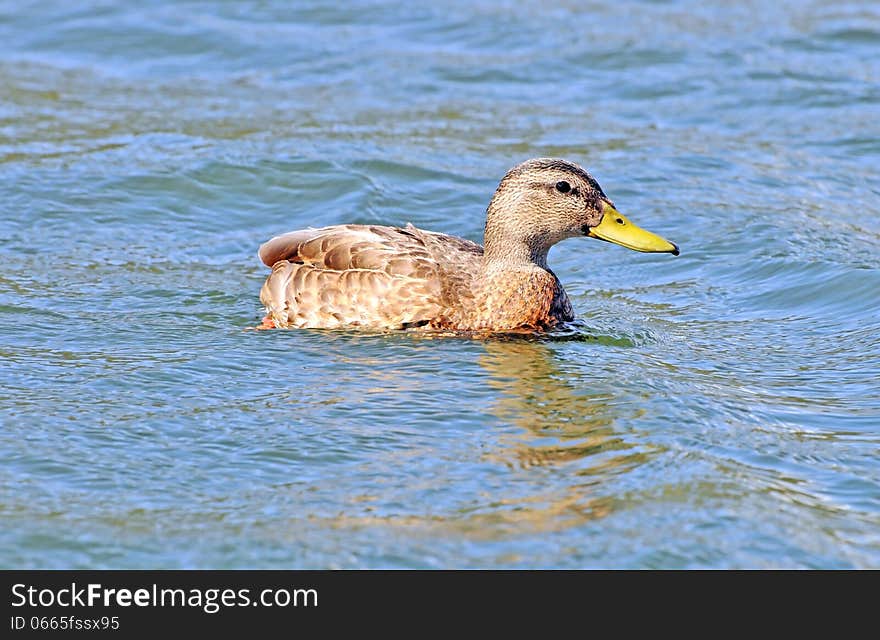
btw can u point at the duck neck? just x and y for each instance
(505, 249)
(516, 289)
(507, 242)
(511, 255)
(507, 246)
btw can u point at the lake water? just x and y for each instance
(719, 409)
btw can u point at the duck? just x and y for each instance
(373, 277)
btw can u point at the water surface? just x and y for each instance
(720, 409)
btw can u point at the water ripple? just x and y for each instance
(719, 409)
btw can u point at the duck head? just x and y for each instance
(545, 200)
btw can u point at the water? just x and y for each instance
(720, 409)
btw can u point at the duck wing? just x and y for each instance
(366, 276)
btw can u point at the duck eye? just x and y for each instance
(563, 187)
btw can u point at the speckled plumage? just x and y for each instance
(378, 277)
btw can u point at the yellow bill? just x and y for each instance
(617, 229)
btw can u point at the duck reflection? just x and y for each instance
(565, 446)
(560, 421)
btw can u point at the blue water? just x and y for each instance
(719, 409)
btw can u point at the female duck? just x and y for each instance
(376, 277)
